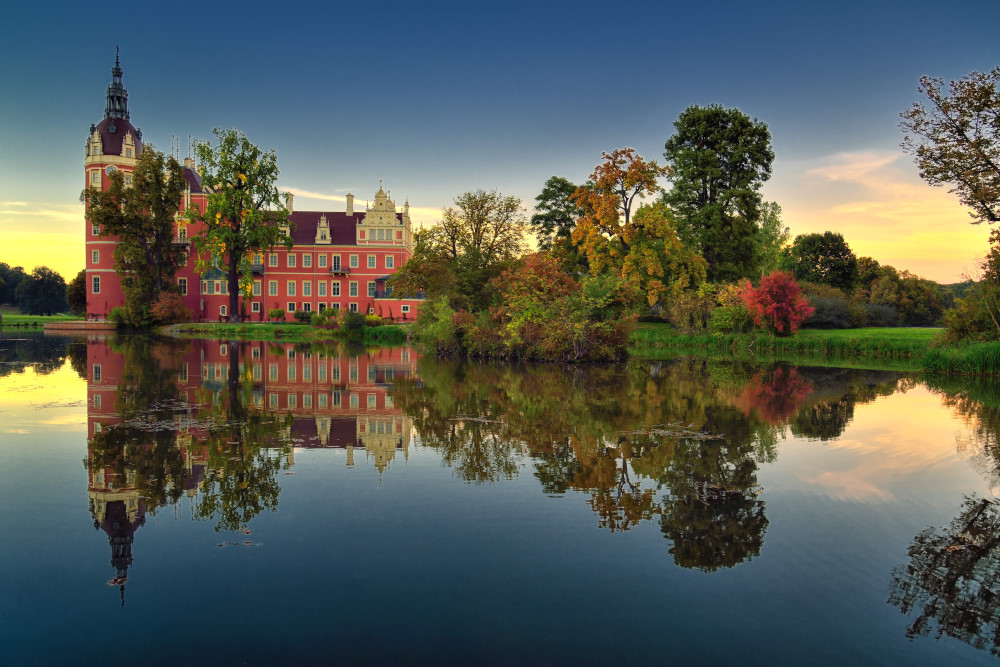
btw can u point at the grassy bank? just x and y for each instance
(900, 348)
(12, 317)
(290, 333)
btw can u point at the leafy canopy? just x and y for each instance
(141, 218)
(244, 212)
(720, 159)
(955, 139)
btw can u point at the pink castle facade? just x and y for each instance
(339, 259)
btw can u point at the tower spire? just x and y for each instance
(117, 105)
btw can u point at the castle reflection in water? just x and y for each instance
(167, 422)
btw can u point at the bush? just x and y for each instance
(353, 322)
(276, 314)
(373, 321)
(169, 308)
(328, 312)
(302, 316)
(317, 320)
(689, 311)
(778, 304)
(831, 309)
(731, 319)
(880, 316)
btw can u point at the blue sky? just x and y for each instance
(440, 98)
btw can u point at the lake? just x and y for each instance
(222, 502)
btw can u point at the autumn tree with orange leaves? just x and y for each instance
(640, 247)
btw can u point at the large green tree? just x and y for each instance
(955, 139)
(244, 213)
(476, 240)
(822, 258)
(141, 217)
(720, 159)
(43, 292)
(9, 279)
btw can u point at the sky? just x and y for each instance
(436, 99)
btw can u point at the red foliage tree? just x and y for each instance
(778, 303)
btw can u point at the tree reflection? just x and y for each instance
(952, 580)
(247, 448)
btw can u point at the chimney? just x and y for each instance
(350, 204)
(289, 198)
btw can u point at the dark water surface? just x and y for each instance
(213, 502)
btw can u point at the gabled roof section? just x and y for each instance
(342, 226)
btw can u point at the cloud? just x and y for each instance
(883, 209)
(13, 203)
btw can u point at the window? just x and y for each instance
(371, 261)
(256, 372)
(371, 288)
(95, 178)
(335, 306)
(291, 306)
(95, 285)
(95, 230)
(354, 261)
(307, 260)
(224, 349)
(97, 372)
(291, 288)
(354, 288)
(272, 260)
(306, 306)
(256, 288)
(322, 378)
(255, 307)
(306, 288)
(255, 353)
(182, 231)
(272, 288)
(291, 260)
(292, 372)
(97, 404)
(354, 401)
(381, 235)
(322, 288)
(184, 259)
(389, 262)
(223, 311)
(96, 148)
(307, 400)
(354, 307)
(95, 256)
(322, 401)
(182, 284)
(272, 399)
(128, 152)
(406, 309)
(128, 179)
(258, 259)
(336, 398)
(320, 307)
(272, 372)
(371, 401)
(336, 263)
(335, 288)
(322, 261)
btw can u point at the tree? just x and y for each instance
(774, 235)
(42, 293)
(720, 159)
(822, 258)
(76, 293)
(10, 277)
(643, 248)
(606, 228)
(243, 213)
(556, 213)
(476, 240)
(141, 217)
(777, 304)
(955, 139)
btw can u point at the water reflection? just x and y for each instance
(952, 579)
(674, 443)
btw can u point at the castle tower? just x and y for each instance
(113, 144)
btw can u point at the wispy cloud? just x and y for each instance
(884, 210)
(13, 203)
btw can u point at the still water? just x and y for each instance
(212, 502)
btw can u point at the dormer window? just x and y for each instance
(128, 152)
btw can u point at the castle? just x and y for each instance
(339, 259)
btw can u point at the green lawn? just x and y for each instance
(916, 334)
(13, 317)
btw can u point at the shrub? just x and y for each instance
(317, 320)
(169, 308)
(777, 304)
(328, 312)
(731, 319)
(276, 314)
(831, 309)
(373, 321)
(689, 311)
(302, 316)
